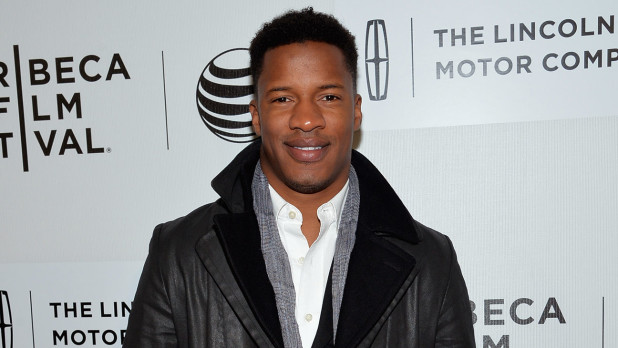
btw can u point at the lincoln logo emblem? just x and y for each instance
(6, 321)
(376, 59)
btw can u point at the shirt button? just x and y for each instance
(292, 215)
(308, 317)
(301, 260)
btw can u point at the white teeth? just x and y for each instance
(308, 148)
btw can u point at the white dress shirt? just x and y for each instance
(310, 265)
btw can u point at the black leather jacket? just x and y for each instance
(204, 283)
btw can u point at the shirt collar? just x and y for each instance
(279, 204)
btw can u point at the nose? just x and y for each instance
(306, 116)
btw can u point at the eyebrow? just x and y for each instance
(332, 85)
(322, 87)
(278, 89)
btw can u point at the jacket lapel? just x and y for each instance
(237, 265)
(378, 275)
(241, 269)
(380, 270)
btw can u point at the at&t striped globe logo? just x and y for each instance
(223, 94)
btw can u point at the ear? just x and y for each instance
(255, 117)
(358, 114)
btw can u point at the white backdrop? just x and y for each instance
(519, 169)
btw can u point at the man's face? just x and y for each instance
(306, 112)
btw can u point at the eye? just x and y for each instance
(330, 97)
(281, 100)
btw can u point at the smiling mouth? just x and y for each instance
(308, 148)
(307, 154)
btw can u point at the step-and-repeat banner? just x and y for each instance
(496, 123)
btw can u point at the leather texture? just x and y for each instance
(204, 283)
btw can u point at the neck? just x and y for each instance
(308, 203)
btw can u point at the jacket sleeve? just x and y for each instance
(150, 322)
(455, 328)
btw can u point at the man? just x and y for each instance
(308, 245)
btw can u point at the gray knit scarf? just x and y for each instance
(278, 265)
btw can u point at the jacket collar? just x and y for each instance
(233, 185)
(381, 209)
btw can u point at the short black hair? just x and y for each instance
(298, 27)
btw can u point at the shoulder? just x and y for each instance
(434, 241)
(177, 238)
(435, 251)
(439, 269)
